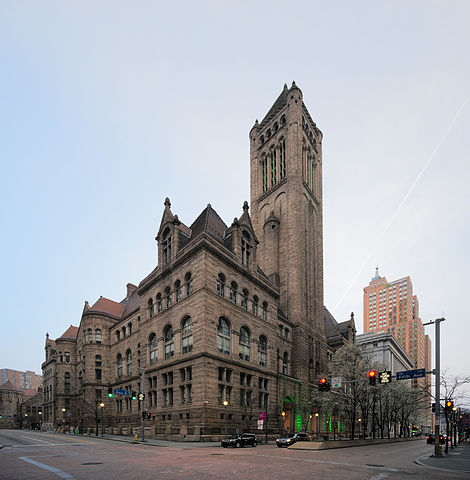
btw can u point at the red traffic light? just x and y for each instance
(323, 380)
(372, 373)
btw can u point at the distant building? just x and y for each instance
(385, 352)
(11, 398)
(23, 380)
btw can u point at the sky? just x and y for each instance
(108, 107)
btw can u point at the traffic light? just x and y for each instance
(372, 377)
(433, 407)
(110, 392)
(324, 385)
(449, 405)
(134, 396)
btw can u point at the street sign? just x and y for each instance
(409, 374)
(120, 391)
(385, 377)
(260, 424)
(262, 415)
(336, 382)
(141, 396)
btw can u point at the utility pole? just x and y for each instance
(142, 405)
(437, 373)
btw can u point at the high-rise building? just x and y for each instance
(391, 307)
(27, 381)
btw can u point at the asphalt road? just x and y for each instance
(40, 455)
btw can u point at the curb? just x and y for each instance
(450, 470)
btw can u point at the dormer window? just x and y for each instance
(246, 248)
(166, 243)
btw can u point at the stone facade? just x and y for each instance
(231, 312)
(11, 398)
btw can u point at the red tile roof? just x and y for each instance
(108, 306)
(71, 333)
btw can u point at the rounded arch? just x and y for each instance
(244, 343)
(186, 334)
(153, 348)
(262, 350)
(169, 341)
(223, 335)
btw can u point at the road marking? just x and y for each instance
(380, 476)
(37, 439)
(58, 472)
(41, 445)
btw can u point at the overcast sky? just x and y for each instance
(106, 108)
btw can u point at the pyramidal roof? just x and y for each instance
(209, 222)
(277, 105)
(8, 386)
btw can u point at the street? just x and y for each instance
(39, 455)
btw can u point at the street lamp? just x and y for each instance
(225, 402)
(102, 423)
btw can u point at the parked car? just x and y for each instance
(240, 440)
(431, 438)
(291, 438)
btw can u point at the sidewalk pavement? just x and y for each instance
(457, 460)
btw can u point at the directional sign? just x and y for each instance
(418, 373)
(260, 424)
(336, 382)
(141, 396)
(385, 377)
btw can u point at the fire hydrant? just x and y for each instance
(136, 440)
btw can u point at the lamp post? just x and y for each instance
(102, 422)
(317, 424)
(283, 414)
(40, 419)
(225, 402)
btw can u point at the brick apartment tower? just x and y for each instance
(286, 204)
(392, 307)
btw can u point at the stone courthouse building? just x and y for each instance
(230, 313)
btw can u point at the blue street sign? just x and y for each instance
(120, 391)
(409, 374)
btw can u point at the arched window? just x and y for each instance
(150, 307)
(169, 342)
(273, 161)
(262, 350)
(166, 243)
(61, 358)
(153, 348)
(244, 299)
(285, 363)
(178, 291)
(119, 365)
(254, 305)
(264, 311)
(129, 327)
(67, 382)
(159, 302)
(90, 335)
(221, 285)
(264, 172)
(98, 336)
(168, 297)
(282, 158)
(189, 283)
(129, 362)
(233, 292)
(223, 335)
(118, 335)
(67, 357)
(244, 344)
(246, 248)
(187, 335)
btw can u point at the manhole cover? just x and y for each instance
(92, 463)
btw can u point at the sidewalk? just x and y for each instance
(457, 460)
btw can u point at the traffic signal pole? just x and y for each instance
(437, 372)
(142, 405)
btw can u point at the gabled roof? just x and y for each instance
(330, 324)
(105, 305)
(209, 222)
(130, 303)
(69, 334)
(50, 342)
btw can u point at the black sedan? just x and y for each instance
(291, 438)
(240, 440)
